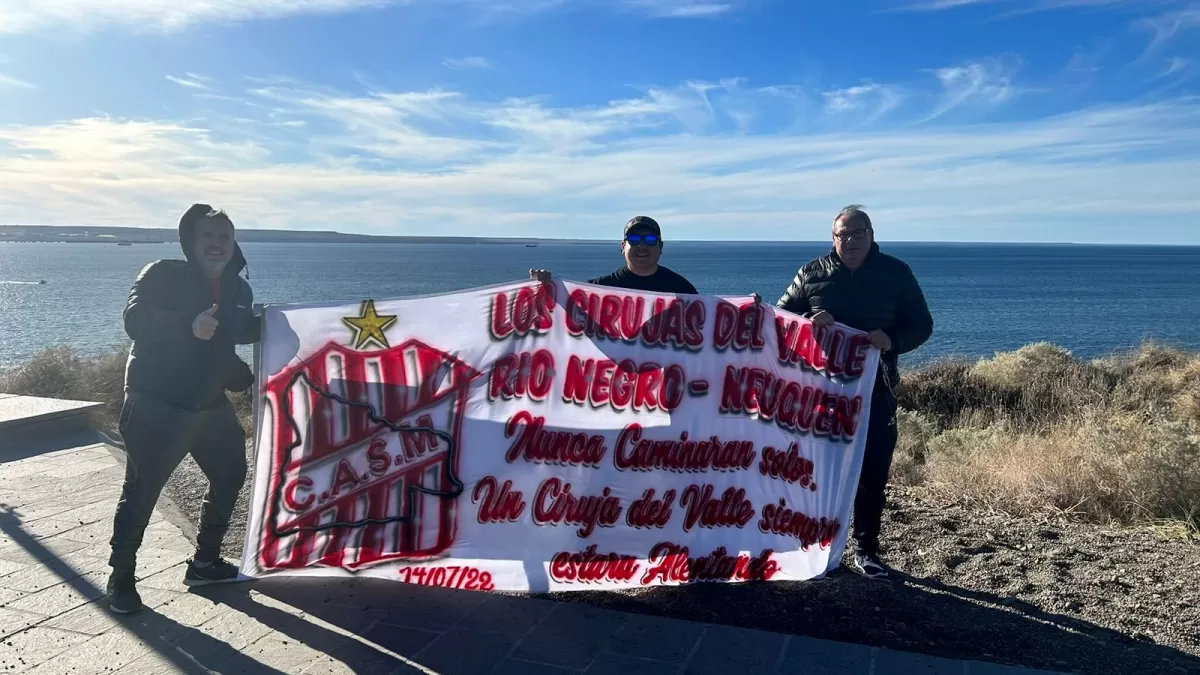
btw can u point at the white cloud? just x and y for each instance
(1165, 27)
(18, 16)
(9, 81)
(872, 100)
(401, 162)
(985, 83)
(468, 62)
(21, 16)
(682, 9)
(1025, 6)
(1176, 64)
(192, 81)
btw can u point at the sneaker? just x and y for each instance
(122, 593)
(870, 566)
(216, 572)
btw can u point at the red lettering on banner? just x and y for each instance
(535, 444)
(758, 393)
(289, 494)
(711, 454)
(857, 359)
(647, 511)
(833, 351)
(673, 565)
(694, 314)
(419, 444)
(556, 504)
(789, 466)
(531, 309)
(520, 375)
(500, 503)
(779, 519)
(624, 386)
(739, 327)
(590, 567)
(378, 458)
(672, 322)
(449, 576)
(344, 479)
(731, 510)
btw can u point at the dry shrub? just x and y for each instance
(1103, 469)
(946, 392)
(1032, 387)
(912, 448)
(1159, 382)
(1114, 440)
(1014, 370)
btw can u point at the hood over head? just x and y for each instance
(187, 236)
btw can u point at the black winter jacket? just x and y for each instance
(882, 295)
(167, 361)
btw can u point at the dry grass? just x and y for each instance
(1036, 430)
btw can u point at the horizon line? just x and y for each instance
(499, 239)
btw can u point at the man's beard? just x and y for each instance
(213, 267)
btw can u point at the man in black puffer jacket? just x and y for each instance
(859, 286)
(185, 318)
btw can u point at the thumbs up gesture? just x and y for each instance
(205, 324)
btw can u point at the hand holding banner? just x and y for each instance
(557, 436)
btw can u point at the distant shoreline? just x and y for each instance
(129, 236)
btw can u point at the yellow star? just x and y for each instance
(370, 326)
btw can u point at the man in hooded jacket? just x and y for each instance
(185, 318)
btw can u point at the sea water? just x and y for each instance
(985, 298)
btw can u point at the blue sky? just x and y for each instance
(951, 120)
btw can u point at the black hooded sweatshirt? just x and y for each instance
(167, 361)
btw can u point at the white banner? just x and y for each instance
(534, 437)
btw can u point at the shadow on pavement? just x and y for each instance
(376, 651)
(187, 649)
(908, 614)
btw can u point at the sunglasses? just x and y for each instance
(642, 239)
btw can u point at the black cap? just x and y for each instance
(642, 223)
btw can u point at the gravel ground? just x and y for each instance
(973, 584)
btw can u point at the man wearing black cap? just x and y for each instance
(185, 318)
(642, 247)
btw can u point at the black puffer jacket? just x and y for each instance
(882, 295)
(167, 361)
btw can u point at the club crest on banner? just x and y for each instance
(366, 455)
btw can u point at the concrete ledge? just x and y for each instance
(19, 411)
(31, 425)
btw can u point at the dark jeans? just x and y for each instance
(157, 438)
(877, 464)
